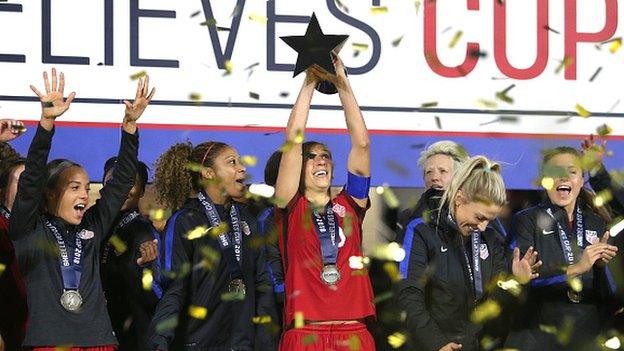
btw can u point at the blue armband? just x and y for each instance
(358, 186)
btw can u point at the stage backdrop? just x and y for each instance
(503, 78)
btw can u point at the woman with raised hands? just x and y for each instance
(575, 286)
(58, 239)
(319, 233)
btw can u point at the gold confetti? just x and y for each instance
(211, 22)
(354, 343)
(233, 296)
(487, 103)
(2, 268)
(159, 214)
(604, 130)
(147, 279)
(195, 97)
(254, 96)
(118, 244)
(359, 46)
(502, 95)
(550, 329)
(565, 63)
(167, 324)
(389, 252)
(512, 286)
(417, 5)
(228, 66)
(615, 45)
(393, 271)
(388, 195)
(299, 321)
(383, 297)
(548, 183)
(261, 319)
(582, 111)
(486, 311)
(377, 10)
(613, 343)
(456, 38)
(575, 284)
(258, 18)
(310, 339)
(397, 340)
(138, 75)
(198, 312)
(603, 197)
(429, 104)
(397, 41)
(249, 161)
(299, 138)
(197, 232)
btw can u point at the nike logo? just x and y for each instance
(443, 249)
(545, 232)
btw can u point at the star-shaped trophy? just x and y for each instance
(316, 48)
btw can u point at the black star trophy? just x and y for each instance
(316, 48)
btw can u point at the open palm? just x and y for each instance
(52, 102)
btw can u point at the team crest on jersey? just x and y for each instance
(339, 210)
(483, 252)
(591, 236)
(85, 234)
(246, 228)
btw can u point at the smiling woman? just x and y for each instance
(58, 248)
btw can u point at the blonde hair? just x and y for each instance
(444, 147)
(479, 179)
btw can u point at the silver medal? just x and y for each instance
(330, 274)
(71, 300)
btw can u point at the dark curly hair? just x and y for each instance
(174, 177)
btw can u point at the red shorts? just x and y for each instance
(91, 348)
(328, 337)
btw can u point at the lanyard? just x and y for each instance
(71, 270)
(566, 245)
(326, 229)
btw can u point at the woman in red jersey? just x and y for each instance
(320, 233)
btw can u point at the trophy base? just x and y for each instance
(327, 87)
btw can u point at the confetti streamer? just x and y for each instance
(392, 271)
(194, 97)
(359, 46)
(486, 311)
(167, 324)
(548, 183)
(591, 79)
(196, 13)
(254, 96)
(197, 232)
(2, 268)
(211, 22)
(262, 190)
(487, 103)
(354, 343)
(615, 45)
(512, 286)
(564, 63)
(232, 296)
(198, 312)
(261, 320)
(228, 66)
(377, 10)
(383, 297)
(249, 161)
(417, 4)
(603, 198)
(258, 18)
(299, 321)
(604, 130)
(147, 279)
(582, 111)
(502, 95)
(342, 6)
(310, 339)
(613, 343)
(575, 284)
(456, 38)
(388, 195)
(118, 244)
(429, 104)
(397, 41)
(284, 94)
(397, 340)
(552, 30)
(138, 75)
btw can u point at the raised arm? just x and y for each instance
(32, 181)
(115, 192)
(289, 173)
(359, 156)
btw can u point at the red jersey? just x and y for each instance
(352, 297)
